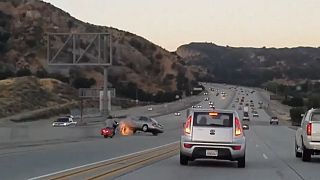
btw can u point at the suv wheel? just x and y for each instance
(306, 154)
(242, 162)
(183, 159)
(144, 128)
(298, 154)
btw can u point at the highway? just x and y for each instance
(269, 155)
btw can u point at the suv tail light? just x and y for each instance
(238, 128)
(187, 126)
(309, 129)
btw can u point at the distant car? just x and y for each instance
(251, 105)
(210, 103)
(64, 121)
(239, 108)
(212, 106)
(206, 99)
(214, 134)
(205, 93)
(307, 138)
(233, 105)
(194, 106)
(274, 120)
(150, 108)
(199, 106)
(177, 114)
(255, 114)
(246, 116)
(145, 124)
(240, 103)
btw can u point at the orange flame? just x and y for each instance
(125, 129)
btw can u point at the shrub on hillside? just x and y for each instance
(23, 72)
(82, 82)
(5, 72)
(294, 102)
(59, 77)
(295, 115)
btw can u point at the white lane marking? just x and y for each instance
(264, 156)
(90, 164)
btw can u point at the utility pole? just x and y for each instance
(105, 92)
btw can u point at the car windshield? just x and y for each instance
(213, 120)
(62, 120)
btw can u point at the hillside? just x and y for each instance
(137, 62)
(29, 93)
(253, 66)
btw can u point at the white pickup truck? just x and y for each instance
(64, 121)
(307, 140)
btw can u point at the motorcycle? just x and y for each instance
(109, 131)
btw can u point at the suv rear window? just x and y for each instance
(63, 120)
(218, 120)
(315, 116)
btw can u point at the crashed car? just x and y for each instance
(143, 123)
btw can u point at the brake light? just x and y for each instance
(186, 145)
(309, 129)
(213, 114)
(236, 148)
(187, 126)
(238, 129)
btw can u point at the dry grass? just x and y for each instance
(25, 94)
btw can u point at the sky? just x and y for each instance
(238, 23)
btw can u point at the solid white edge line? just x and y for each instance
(265, 156)
(90, 164)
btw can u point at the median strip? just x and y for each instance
(116, 166)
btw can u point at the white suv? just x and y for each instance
(213, 134)
(307, 141)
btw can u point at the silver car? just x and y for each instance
(145, 124)
(307, 139)
(213, 134)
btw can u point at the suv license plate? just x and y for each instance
(211, 152)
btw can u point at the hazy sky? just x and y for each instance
(171, 23)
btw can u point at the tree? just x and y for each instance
(295, 115)
(82, 82)
(23, 72)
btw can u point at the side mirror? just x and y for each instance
(245, 127)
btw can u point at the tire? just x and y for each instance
(144, 128)
(155, 134)
(105, 136)
(242, 162)
(306, 154)
(298, 154)
(184, 160)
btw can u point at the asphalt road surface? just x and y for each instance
(26, 161)
(269, 155)
(270, 152)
